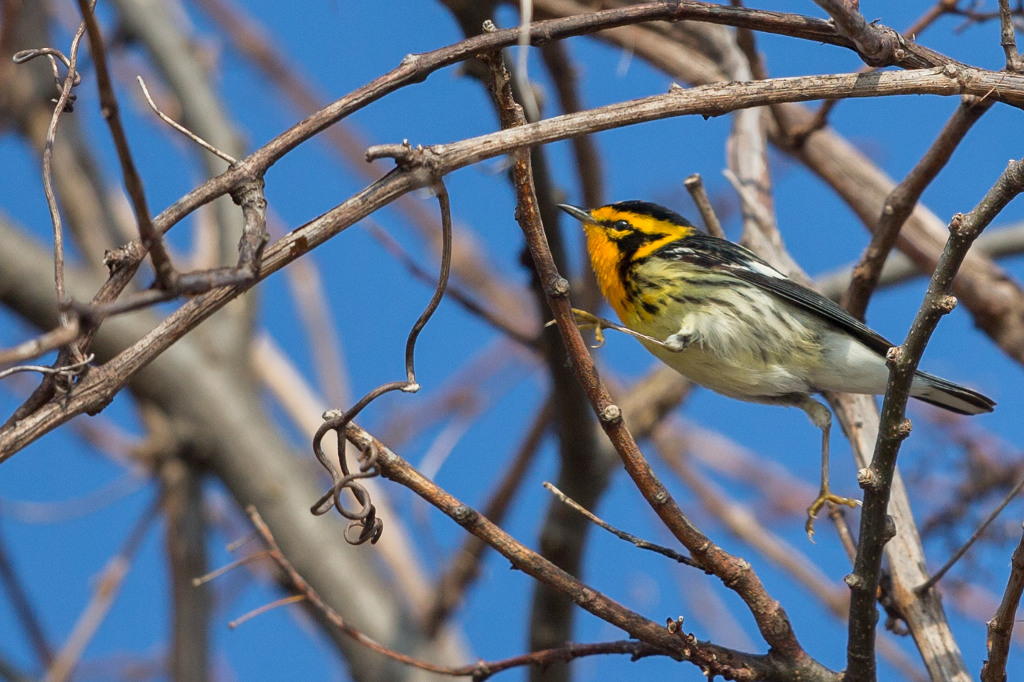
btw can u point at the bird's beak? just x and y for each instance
(576, 212)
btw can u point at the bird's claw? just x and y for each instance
(823, 498)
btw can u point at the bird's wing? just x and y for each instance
(725, 256)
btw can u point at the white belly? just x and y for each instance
(764, 356)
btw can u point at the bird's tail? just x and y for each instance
(950, 396)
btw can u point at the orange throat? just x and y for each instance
(605, 257)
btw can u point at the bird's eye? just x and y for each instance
(622, 225)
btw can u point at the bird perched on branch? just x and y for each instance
(724, 318)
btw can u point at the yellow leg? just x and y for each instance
(822, 418)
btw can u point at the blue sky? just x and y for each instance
(340, 46)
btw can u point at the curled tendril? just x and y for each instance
(364, 519)
(67, 373)
(53, 55)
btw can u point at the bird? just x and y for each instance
(721, 316)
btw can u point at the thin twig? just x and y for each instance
(283, 601)
(937, 576)
(63, 102)
(151, 238)
(1000, 628)
(55, 338)
(621, 534)
(478, 671)
(894, 428)
(108, 586)
(68, 372)
(365, 520)
(216, 573)
(695, 186)
(901, 202)
(1008, 38)
(182, 129)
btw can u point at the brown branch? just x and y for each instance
(584, 468)
(180, 128)
(55, 338)
(771, 618)
(456, 580)
(877, 45)
(185, 542)
(108, 586)
(716, 660)
(587, 157)
(901, 202)
(1008, 38)
(894, 428)
(1000, 628)
(478, 671)
(622, 535)
(152, 239)
(695, 186)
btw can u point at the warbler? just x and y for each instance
(719, 315)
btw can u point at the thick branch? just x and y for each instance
(715, 659)
(894, 428)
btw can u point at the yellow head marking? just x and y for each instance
(621, 234)
(605, 258)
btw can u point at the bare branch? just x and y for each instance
(151, 238)
(1000, 628)
(55, 338)
(478, 671)
(622, 535)
(108, 586)
(937, 576)
(182, 129)
(695, 186)
(1008, 38)
(901, 201)
(716, 660)
(876, 481)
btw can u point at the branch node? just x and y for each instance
(904, 428)
(889, 530)
(611, 414)
(867, 478)
(559, 286)
(946, 304)
(464, 515)
(956, 224)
